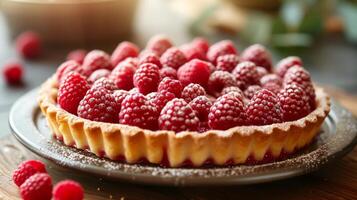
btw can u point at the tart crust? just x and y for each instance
(235, 145)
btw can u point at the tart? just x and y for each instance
(196, 116)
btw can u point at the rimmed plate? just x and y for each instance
(338, 136)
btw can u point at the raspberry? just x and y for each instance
(173, 57)
(227, 62)
(98, 74)
(77, 55)
(168, 72)
(151, 96)
(246, 74)
(258, 55)
(219, 80)
(203, 127)
(201, 44)
(221, 48)
(192, 91)
(65, 68)
(194, 71)
(68, 190)
(147, 78)
(38, 165)
(270, 78)
(12, 73)
(94, 60)
(122, 51)
(264, 109)
(149, 57)
(123, 74)
(22, 173)
(201, 106)
(262, 71)
(105, 83)
(28, 45)
(134, 90)
(272, 87)
(136, 110)
(299, 76)
(171, 85)
(226, 112)
(71, 91)
(99, 105)
(251, 90)
(159, 44)
(232, 89)
(294, 102)
(178, 116)
(286, 63)
(191, 52)
(37, 187)
(161, 98)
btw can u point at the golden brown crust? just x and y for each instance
(132, 143)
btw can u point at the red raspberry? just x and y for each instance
(264, 109)
(136, 110)
(151, 96)
(201, 44)
(22, 173)
(203, 127)
(122, 51)
(159, 44)
(168, 72)
(178, 116)
(99, 105)
(299, 76)
(98, 74)
(173, 57)
(258, 55)
(194, 71)
(221, 48)
(286, 63)
(191, 52)
(251, 90)
(12, 73)
(161, 98)
(147, 78)
(227, 62)
(201, 106)
(227, 112)
(246, 74)
(105, 83)
(219, 80)
(94, 60)
(38, 165)
(262, 71)
(37, 187)
(65, 68)
(272, 87)
(171, 85)
(77, 55)
(149, 57)
(294, 102)
(134, 90)
(192, 91)
(232, 89)
(71, 91)
(119, 96)
(28, 44)
(68, 190)
(123, 74)
(270, 78)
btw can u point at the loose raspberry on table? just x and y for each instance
(220, 80)
(173, 57)
(227, 62)
(98, 74)
(232, 89)
(286, 63)
(105, 83)
(123, 74)
(161, 98)
(77, 55)
(94, 60)
(12, 73)
(178, 116)
(294, 102)
(122, 51)
(168, 72)
(65, 68)
(159, 44)
(259, 55)
(37, 187)
(201, 44)
(147, 78)
(71, 91)
(192, 91)
(264, 109)
(28, 45)
(68, 190)
(201, 105)
(99, 105)
(194, 71)
(272, 87)
(136, 110)
(246, 74)
(171, 85)
(38, 165)
(251, 90)
(22, 173)
(191, 52)
(227, 112)
(149, 57)
(221, 48)
(270, 78)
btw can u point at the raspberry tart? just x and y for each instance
(192, 105)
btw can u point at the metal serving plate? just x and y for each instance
(338, 137)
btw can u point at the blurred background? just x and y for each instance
(322, 32)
